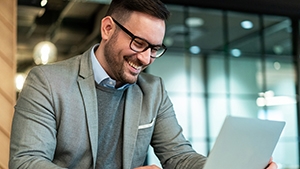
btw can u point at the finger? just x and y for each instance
(148, 167)
(271, 159)
(272, 165)
(155, 166)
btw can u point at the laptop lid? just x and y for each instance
(244, 143)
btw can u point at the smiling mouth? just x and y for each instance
(134, 65)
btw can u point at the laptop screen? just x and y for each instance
(244, 143)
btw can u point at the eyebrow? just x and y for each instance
(132, 35)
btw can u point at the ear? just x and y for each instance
(107, 27)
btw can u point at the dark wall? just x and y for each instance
(289, 8)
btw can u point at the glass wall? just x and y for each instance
(230, 63)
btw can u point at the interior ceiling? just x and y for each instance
(73, 25)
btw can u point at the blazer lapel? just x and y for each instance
(131, 122)
(90, 101)
(86, 84)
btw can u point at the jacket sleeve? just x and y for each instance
(169, 144)
(33, 135)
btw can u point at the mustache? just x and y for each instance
(134, 60)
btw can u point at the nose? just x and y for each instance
(144, 57)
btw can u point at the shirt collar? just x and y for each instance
(100, 75)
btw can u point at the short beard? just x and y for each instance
(115, 63)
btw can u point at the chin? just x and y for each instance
(131, 80)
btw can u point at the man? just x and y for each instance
(98, 110)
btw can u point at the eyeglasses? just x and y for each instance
(138, 44)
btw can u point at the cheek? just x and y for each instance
(123, 41)
(122, 49)
(151, 60)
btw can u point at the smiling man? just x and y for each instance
(124, 55)
(99, 110)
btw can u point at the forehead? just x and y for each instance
(147, 27)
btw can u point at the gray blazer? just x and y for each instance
(55, 124)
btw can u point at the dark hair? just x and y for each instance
(123, 8)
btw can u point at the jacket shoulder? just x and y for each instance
(146, 78)
(149, 82)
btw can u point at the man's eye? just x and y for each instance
(138, 43)
(156, 48)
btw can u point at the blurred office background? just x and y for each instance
(224, 57)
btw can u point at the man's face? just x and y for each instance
(122, 63)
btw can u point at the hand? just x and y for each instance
(272, 165)
(155, 167)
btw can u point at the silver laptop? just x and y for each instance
(244, 143)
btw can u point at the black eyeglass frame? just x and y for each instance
(151, 46)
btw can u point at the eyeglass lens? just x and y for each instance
(140, 45)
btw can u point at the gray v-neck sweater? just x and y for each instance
(110, 118)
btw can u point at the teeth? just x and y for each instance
(133, 65)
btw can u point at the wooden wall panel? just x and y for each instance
(5, 116)
(8, 34)
(8, 30)
(4, 150)
(7, 80)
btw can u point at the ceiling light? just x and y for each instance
(43, 3)
(268, 99)
(278, 49)
(247, 24)
(44, 52)
(277, 65)
(194, 22)
(168, 41)
(19, 81)
(195, 50)
(236, 52)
